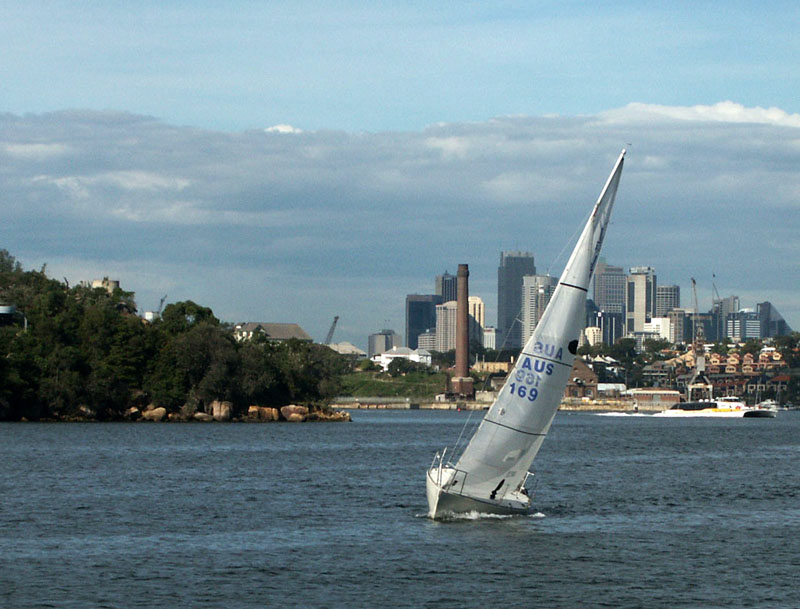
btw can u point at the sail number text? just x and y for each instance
(524, 391)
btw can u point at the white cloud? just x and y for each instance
(722, 112)
(282, 128)
(35, 152)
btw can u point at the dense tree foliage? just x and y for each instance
(79, 351)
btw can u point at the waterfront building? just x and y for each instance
(640, 299)
(668, 297)
(513, 267)
(609, 287)
(382, 341)
(420, 316)
(536, 293)
(420, 356)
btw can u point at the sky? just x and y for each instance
(295, 161)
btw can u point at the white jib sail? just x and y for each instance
(498, 456)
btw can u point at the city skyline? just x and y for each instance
(296, 162)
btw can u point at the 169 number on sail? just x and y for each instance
(523, 391)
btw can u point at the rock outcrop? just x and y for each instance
(154, 414)
(221, 411)
(294, 414)
(263, 413)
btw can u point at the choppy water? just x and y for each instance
(633, 512)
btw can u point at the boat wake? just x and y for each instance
(620, 414)
(475, 515)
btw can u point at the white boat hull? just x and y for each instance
(443, 502)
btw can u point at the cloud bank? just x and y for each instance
(280, 224)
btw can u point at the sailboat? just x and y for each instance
(490, 475)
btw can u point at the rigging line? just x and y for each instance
(458, 441)
(568, 243)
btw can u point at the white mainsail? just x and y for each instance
(491, 472)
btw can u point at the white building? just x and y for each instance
(421, 356)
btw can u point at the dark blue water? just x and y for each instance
(634, 512)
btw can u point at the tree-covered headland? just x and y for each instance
(75, 352)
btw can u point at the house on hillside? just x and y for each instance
(273, 332)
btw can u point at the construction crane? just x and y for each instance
(329, 337)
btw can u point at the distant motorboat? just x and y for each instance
(723, 407)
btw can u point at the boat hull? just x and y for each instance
(443, 503)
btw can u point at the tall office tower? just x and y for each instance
(477, 311)
(536, 293)
(513, 267)
(721, 308)
(609, 287)
(640, 301)
(447, 286)
(420, 316)
(680, 320)
(772, 322)
(382, 341)
(611, 325)
(446, 320)
(668, 297)
(743, 324)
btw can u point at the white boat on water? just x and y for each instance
(490, 475)
(723, 407)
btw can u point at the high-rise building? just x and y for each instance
(446, 320)
(383, 341)
(513, 267)
(668, 297)
(640, 301)
(536, 293)
(721, 309)
(743, 325)
(420, 316)
(611, 325)
(477, 311)
(772, 322)
(609, 287)
(680, 326)
(447, 286)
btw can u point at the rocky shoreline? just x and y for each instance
(218, 411)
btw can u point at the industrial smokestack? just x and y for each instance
(462, 322)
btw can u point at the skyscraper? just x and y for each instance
(513, 267)
(420, 316)
(640, 301)
(446, 286)
(609, 287)
(668, 297)
(536, 293)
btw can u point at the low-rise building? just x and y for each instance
(271, 331)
